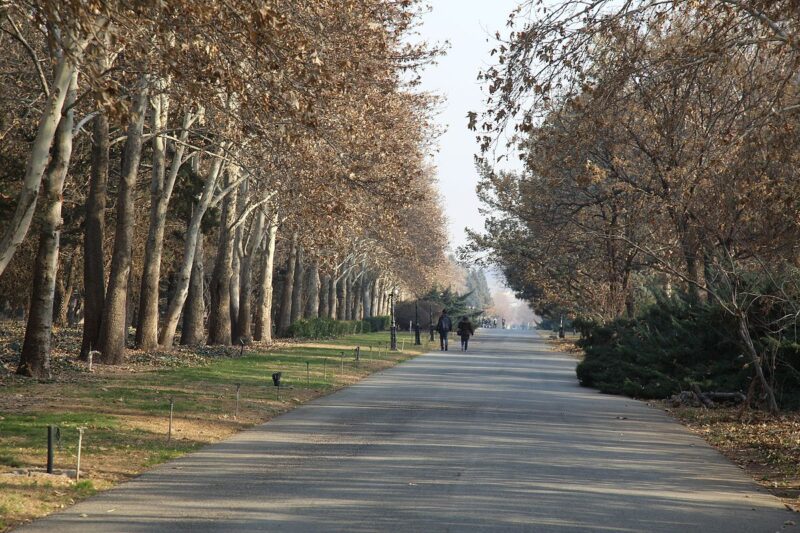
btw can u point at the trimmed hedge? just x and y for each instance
(379, 323)
(320, 328)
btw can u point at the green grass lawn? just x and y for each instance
(126, 414)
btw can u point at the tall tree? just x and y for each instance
(113, 330)
(35, 357)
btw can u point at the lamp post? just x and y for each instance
(430, 321)
(416, 323)
(393, 328)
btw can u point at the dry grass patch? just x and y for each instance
(567, 345)
(125, 410)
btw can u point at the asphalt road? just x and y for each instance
(500, 438)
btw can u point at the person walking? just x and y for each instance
(465, 330)
(444, 327)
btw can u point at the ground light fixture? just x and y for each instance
(276, 381)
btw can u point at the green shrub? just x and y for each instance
(663, 351)
(84, 488)
(379, 323)
(321, 328)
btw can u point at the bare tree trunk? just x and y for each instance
(58, 295)
(236, 261)
(383, 299)
(341, 298)
(285, 318)
(192, 329)
(113, 327)
(263, 329)
(167, 335)
(376, 291)
(324, 295)
(312, 285)
(69, 291)
(130, 305)
(161, 188)
(244, 320)
(689, 250)
(219, 317)
(65, 286)
(16, 229)
(332, 301)
(94, 284)
(747, 340)
(350, 288)
(35, 358)
(297, 290)
(147, 323)
(366, 302)
(356, 305)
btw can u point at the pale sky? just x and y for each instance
(469, 26)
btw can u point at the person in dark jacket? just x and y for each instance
(444, 327)
(465, 330)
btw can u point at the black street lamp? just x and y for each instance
(430, 321)
(393, 329)
(416, 324)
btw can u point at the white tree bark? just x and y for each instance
(167, 336)
(147, 319)
(35, 358)
(17, 228)
(263, 326)
(244, 321)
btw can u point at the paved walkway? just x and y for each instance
(500, 438)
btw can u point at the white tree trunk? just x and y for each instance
(263, 330)
(243, 324)
(167, 336)
(35, 358)
(147, 319)
(18, 226)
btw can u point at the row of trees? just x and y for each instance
(173, 165)
(660, 148)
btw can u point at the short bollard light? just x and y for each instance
(276, 380)
(241, 343)
(53, 439)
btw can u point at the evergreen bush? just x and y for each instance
(664, 351)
